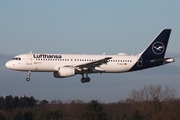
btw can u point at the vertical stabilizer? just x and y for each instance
(158, 46)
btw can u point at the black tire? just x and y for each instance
(88, 79)
(83, 80)
(28, 79)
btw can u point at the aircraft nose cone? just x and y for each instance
(10, 65)
(7, 65)
(13, 65)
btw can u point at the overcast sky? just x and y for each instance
(91, 27)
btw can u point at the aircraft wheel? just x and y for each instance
(88, 79)
(28, 79)
(83, 80)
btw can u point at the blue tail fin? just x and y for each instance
(153, 55)
(157, 48)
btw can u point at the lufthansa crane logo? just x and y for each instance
(158, 48)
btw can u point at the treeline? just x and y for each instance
(149, 103)
(10, 103)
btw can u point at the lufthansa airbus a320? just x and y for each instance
(67, 65)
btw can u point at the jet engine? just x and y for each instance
(64, 72)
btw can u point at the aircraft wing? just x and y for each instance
(91, 65)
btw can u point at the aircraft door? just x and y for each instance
(29, 59)
(139, 62)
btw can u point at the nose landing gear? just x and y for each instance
(28, 78)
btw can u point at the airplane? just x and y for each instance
(67, 65)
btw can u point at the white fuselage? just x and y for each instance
(51, 62)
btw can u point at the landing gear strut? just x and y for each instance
(28, 78)
(85, 79)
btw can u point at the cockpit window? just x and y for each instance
(16, 58)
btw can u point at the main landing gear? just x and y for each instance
(28, 78)
(85, 79)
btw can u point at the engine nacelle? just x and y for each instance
(64, 72)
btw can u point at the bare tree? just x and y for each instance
(153, 101)
(151, 92)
